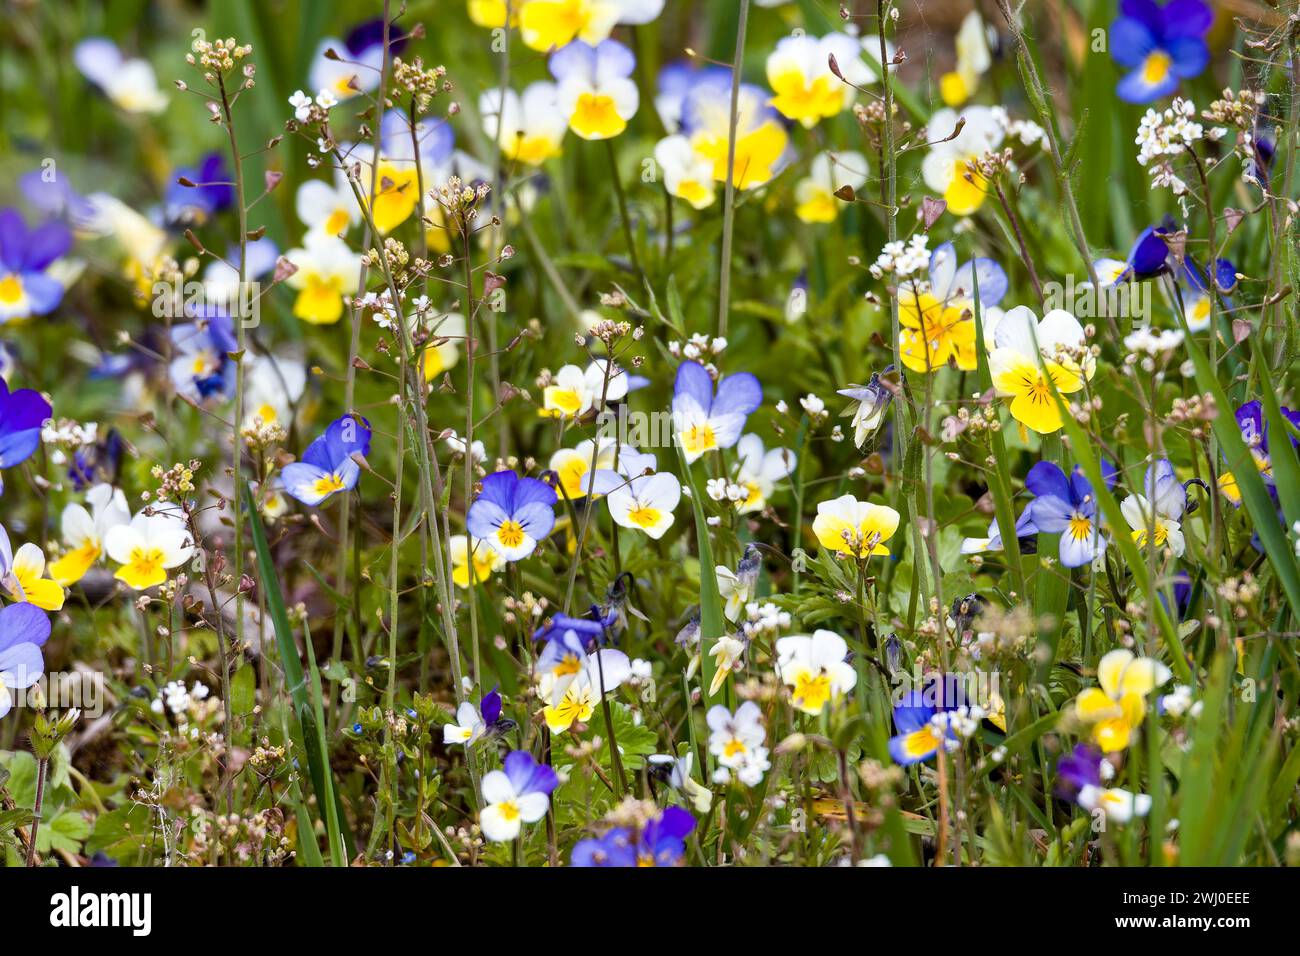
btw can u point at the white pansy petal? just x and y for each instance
(122, 540)
(496, 787)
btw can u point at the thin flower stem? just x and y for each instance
(729, 191)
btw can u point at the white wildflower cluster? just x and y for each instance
(954, 726)
(1162, 136)
(307, 110)
(698, 348)
(723, 489)
(1027, 132)
(380, 306)
(181, 703)
(1179, 703)
(814, 406)
(457, 445)
(903, 259)
(764, 620)
(1146, 345)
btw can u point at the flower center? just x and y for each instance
(510, 534)
(11, 289)
(328, 485)
(644, 517)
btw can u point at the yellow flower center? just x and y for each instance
(510, 534)
(144, 569)
(812, 691)
(1156, 67)
(698, 439)
(327, 485)
(644, 517)
(509, 811)
(734, 746)
(11, 289)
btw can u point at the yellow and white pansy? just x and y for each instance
(327, 207)
(1116, 708)
(814, 195)
(552, 24)
(351, 73)
(734, 738)
(815, 669)
(487, 560)
(573, 391)
(22, 574)
(1155, 516)
(130, 84)
(155, 541)
(595, 93)
(528, 127)
(728, 652)
(84, 532)
(761, 142)
(646, 503)
(949, 167)
(573, 466)
(687, 174)
(327, 271)
(806, 91)
(973, 61)
(848, 526)
(468, 727)
(1031, 356)
(1119, 805)
(575, 694)
(759, 470)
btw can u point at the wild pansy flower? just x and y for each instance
(575, 694)
(659, 841)
(645, 503)
(396, 178)
(1196, 291)
(1120, 805)
(573, 391)
(1254, 432)
(728, 652)
(761, 141)
(938, 324)
(1156, 514)
(676, 773)
(973, 61)
(1028, 353)
(1117, 707)
(327, 466)
(675, 82)
(156, 540)
(572, 466)
(737, 741)
(687, 174)
(595, 90)
(210, 192)
(359, 60)
(517, 794)
(552, 24)
(84, 532)
(815, 669)
(330, 208)
(130, 84)
(1079, 768)
(1147, 258)
(24, 629)
(26, 287)
(473, 722)
(201, 366)
(737, 587)
(1161, 45)
(759, 469)
(949, 167)
(703, 421)
(799, 72)
(327, 271)
(272, 386)
(920, 719)
(22, 574)
(512, 514)
(848, 526)
(871, 404)
(487, 560)
(22, 413)
(814, 196)
(528, 127)
(1067, 506)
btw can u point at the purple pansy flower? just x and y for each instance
(1147, 258)
(661, 842)
(517, 794)
(25, 288)
(1160, 45)
(22, 413)
(24, 629)
(187, 206)
(1066, 506)
(703, 420)
(920, 734)
(1255, 433)
(327, 465)
(474, 722)
(1080, 768)
(201, 365)
(512, 514)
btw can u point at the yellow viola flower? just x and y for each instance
(948, 168)
(486, 561)
(574, 392)
(155, 541)
(814, 195)
(973, 61)
(528, 127)
(572, 466)
(84, 532)
(493, 13)
(687, 174)
(325, 207)
(23, 576)
(1118, 706)
(933, 331)
(815, 669)
(761, 139)
(327, 270)
(1027, 354)
(798, 70)
(595, 91)
(846, 525)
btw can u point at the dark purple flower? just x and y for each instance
(1160, 45)
(1080, 768)
(22, 413)
(186, 206)
(25, 289)
(661, 842)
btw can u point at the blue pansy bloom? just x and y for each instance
(703, 420)
(920, 734)
(661, 842)
(1160, 45)
(677, 80)
(201, 365)
(97, 462)
(327, 465)
(24, 629)
(1066, 506)
(1255, 433)
(1147, 259)
(25, 288)
(22, 413)
(590, 629)
(954, 285)
(518, 793)
(1196, 294)
(186, 206)
(512, 514)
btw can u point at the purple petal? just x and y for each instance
(1046, 479)
(738, 394)
(23, 624)
(694, 382)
